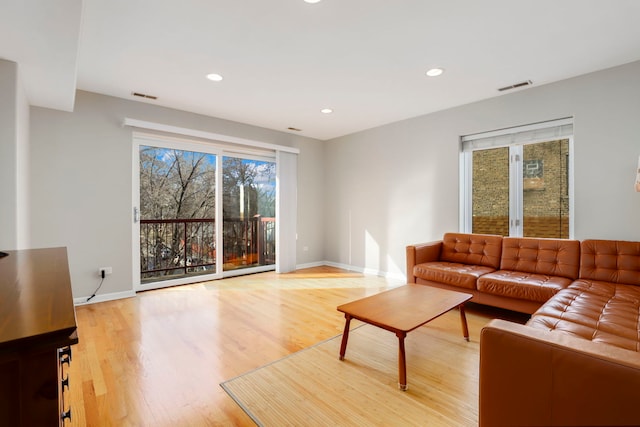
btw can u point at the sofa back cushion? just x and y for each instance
(477, 249)
(551, 257)
(610, 261)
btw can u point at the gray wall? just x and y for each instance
(398, 184)
(81, 184)
(14, 159)
(384, 188)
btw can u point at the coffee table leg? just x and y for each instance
(402, 362)
(463, 319)
(345, 336)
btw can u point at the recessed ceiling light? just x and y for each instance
(434, 72)
(326, 111)
(214, 77)
(312, 1)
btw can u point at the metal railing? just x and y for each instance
(172, 248)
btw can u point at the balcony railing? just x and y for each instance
(171, 248)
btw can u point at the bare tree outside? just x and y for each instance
(249, 188)
(177, 207)
(176, 184)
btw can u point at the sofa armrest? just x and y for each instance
(420, 253)
(531, 376)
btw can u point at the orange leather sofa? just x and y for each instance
(576, 361)
(515, 273)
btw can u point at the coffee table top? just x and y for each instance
(405, 308)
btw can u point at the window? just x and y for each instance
(516, 182)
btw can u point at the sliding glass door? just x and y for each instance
(201, 213)
(249, 213)
(177, 213)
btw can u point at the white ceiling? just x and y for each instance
(285, 60)
(42, 37)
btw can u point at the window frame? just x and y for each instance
(515, 139)
(221, 147)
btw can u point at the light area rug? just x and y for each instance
(314, 388)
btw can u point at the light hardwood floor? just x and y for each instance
(157, 359)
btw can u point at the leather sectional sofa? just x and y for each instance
(576, 361)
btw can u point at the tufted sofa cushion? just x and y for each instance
(533, 269)
(520, 285)
(475, 249)
(551, 257)
(612, 261)
(451, 273)
(603, 305)
(462, 259)
(604, 312)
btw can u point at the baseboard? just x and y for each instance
(343, 266)
(104, 297)
(310, 265)
(367, 271)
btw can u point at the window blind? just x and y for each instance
(536, 132)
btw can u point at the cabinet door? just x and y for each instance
(39, 389)
(10, 392)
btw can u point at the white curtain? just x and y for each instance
(286, 210)
(638, 177)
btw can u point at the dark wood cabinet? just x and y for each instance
(37, 329)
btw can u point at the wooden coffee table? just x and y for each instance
(402, 310)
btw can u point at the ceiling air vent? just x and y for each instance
(143, 95)
(513, 86)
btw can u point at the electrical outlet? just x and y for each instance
(107, 270)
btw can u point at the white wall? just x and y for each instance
(81, 183)
(14, 154)
(8, 167)
(23, 171)
(398, 184)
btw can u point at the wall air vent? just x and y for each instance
(143, 95)
(517, 85)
